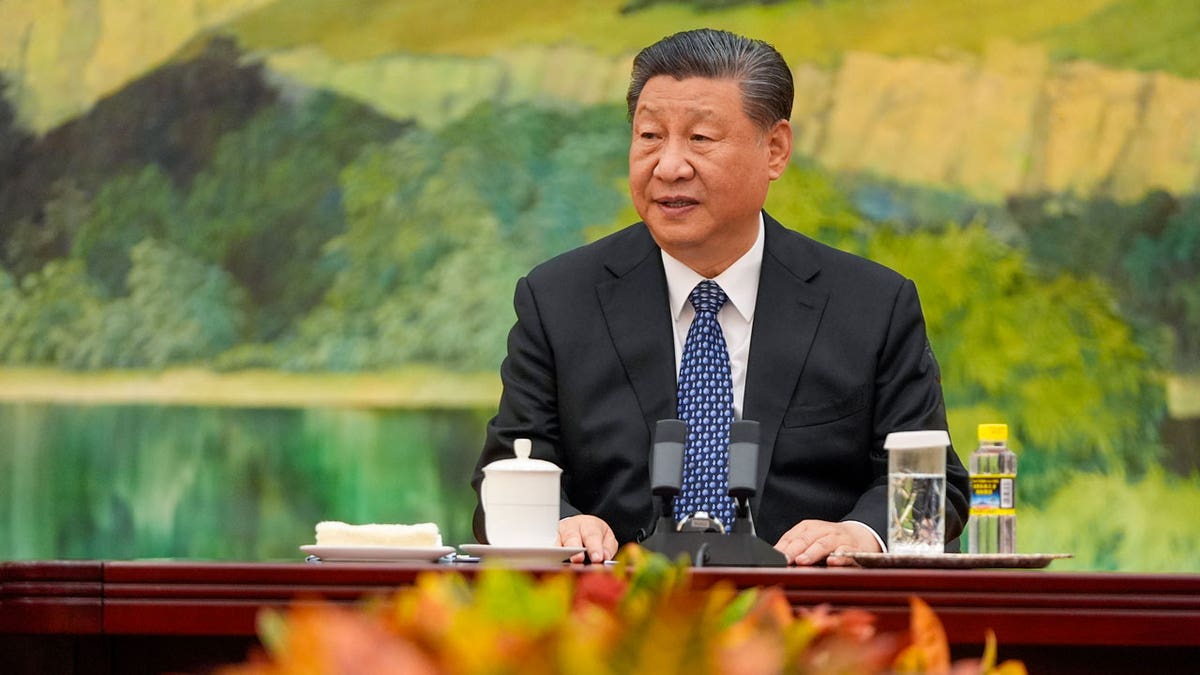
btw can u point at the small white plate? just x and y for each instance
(376, 553)
(522, 554)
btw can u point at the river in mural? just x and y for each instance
(150, 481)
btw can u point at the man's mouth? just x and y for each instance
(676, 202)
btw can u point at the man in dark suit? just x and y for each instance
(827, 351)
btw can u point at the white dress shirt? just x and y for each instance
(740, 283)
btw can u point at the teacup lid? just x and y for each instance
(523, 462)
(912, 440)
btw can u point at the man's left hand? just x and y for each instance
(814, 541)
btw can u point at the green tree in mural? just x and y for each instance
(1030, 349)
(1148, 251)
(1162, 270)
(127, 209)
(420, 239)
(262, 212)
(15, 146)
(545, 175)
(439, 226)
(1111, 522)
(1014, 345)
(383, 244)
(48, 314)
(270, 201)
(179, 310)
(33, 242)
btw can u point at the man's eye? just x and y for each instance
(649, 135)
(700, 137)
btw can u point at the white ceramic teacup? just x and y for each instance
(521, 499)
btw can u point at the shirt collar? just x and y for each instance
(739, 280)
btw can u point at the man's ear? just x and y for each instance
(779, 145)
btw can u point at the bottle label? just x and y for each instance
(993, 494)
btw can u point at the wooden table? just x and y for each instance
(150, 617)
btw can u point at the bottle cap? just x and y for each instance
(993, 432)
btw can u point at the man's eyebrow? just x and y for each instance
(694, 111)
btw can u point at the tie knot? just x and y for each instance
(707, 296)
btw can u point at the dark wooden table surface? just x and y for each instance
(185, 616)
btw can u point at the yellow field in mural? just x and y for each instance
(257, 256)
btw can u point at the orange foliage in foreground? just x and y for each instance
(641, 617)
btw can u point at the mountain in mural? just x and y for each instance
(172, 118)
(61, 56)
(1010, 123)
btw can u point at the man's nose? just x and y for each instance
(673, 163)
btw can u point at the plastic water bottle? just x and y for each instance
(992, 527)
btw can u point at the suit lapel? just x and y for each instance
(636, 309)
(786, 318)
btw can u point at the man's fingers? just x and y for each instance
(817, 551)
(569, 536)
(593, 542)
(610, 545)
(813, 541)
(568, 533)
(599, 540)
(794, 543)
(805, 543)
(590, 533)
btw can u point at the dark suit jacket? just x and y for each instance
(838, 359)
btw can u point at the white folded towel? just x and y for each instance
(337, 533)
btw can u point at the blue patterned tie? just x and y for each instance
(706, 404)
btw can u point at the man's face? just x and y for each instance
(699, 169)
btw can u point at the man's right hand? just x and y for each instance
(590, 532)
(814, 541)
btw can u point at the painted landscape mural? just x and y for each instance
(257, 256)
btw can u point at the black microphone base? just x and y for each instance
(713, 549)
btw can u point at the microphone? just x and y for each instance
(743, 470)
(666, 473)
(743, 459)
(666, 458)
